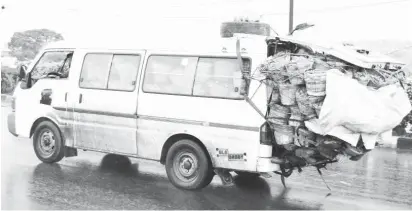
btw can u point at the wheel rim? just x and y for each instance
(185, 165)
(46, 143)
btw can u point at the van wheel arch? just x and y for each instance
(177, 137)
(42, 119)
(68, 151)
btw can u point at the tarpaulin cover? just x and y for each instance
(351, 110)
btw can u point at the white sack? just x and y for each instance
(338, 131)
(350, 137)
(359, 108)
(387, 138)
(351, 109)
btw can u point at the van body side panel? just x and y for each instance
(96, 129)
(220, 141)
(27, 115)
(30, 105)
(105, 120)
(229, 128)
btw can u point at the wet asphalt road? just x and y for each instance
(380, 180)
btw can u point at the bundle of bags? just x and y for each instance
(321, 107)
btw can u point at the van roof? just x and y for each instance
(249, 43)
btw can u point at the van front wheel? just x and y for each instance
(47, 143)
(188, 166)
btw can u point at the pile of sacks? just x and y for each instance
(319, 106)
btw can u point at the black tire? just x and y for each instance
(55, 152)
(188, 152)
(249, 175)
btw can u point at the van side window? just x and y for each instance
(218, 77)
(123, 72)
(170, 74)
(53, 64)
(95, 71)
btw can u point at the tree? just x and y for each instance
(4, 82)
(25, 45)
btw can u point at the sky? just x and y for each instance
(335, 20)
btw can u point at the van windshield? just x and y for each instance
(53, 64)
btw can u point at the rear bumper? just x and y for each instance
(265, 165)
(11, 123)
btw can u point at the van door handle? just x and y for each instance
(65, 97)
(80, 98)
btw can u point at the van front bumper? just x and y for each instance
(11, 123)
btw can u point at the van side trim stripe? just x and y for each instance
(96, 112)
(192, 122)
(162, 119)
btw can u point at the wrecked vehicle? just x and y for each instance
(205, 108)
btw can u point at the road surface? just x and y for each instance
(380, 180)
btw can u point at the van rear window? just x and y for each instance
(218, 77)
(170, 74)
(198, 76)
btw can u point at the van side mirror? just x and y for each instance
(22, 72)
(26, 82)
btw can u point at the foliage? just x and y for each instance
(8, 81)
(6, 69)
(25, 45)
(7, 78)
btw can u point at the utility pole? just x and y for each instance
(290, 15)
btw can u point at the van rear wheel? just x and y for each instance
(47, 142)
(188, 165)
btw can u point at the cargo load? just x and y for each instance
(324, 103)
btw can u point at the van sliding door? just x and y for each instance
(105, 108)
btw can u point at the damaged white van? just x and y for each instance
(200, 109)
(188, 108)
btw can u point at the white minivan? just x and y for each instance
(191, 107)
